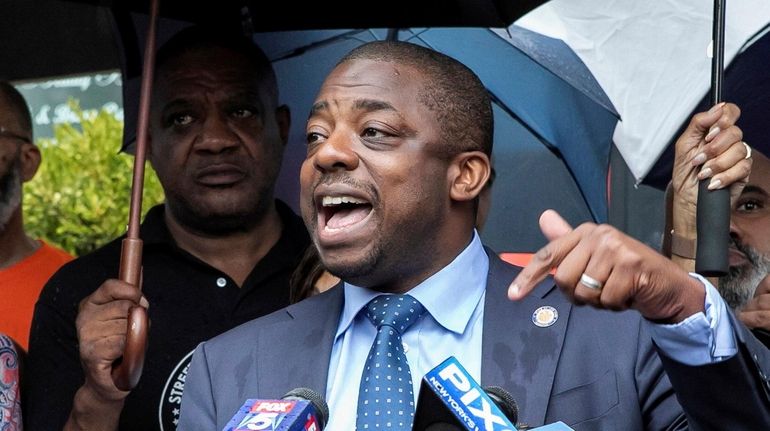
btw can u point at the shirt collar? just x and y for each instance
(285, 254)
(450, 295)
(153, 229)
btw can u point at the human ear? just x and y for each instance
(30, 161)
(469, 172)
(283, 117)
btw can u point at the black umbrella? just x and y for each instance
(32, 30)
(340, 14)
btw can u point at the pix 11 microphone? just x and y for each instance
(300, 409)
(505, 401)
(451, 400)
(508, 405)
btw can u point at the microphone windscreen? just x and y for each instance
(315, 399)
(505, 401)
(450, 399)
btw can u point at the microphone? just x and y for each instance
(504, 400)
(508, 406)
(301, 409)
(450, 400)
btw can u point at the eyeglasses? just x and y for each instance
(4, 133)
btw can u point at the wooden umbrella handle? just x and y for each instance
(127, 370)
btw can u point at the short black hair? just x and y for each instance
(456, 94)
(198, 37)
(10, 95)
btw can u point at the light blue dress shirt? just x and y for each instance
(452, 326)
(454, 302)
(702, 338)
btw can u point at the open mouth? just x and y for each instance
(342, 212)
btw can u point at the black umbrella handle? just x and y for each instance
(714, 205)
(713, 231)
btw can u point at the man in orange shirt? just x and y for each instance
(25, 263)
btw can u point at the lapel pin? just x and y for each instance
(545, 316)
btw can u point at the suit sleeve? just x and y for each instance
(734, 393)
(659, 407)
(198, 411)
(53, 372)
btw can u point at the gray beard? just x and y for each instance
(10, 193)
(738, 286)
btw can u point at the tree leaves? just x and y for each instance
(79, 198)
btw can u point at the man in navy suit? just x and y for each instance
(399, 141)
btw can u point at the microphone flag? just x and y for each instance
(450, 388)
(274, 415)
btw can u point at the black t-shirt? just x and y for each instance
(190, 302)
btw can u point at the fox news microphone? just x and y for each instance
(300, 409)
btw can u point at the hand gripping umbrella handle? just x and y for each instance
(713, 213)
(713, 225)
(127, 370)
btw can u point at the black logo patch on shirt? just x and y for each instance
(171, 398)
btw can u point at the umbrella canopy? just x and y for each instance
(651, 58)
(341, 13)
(747, 84)
(33, 31)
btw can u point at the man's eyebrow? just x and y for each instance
(368, 105)
(245, 95)
(373, 105)
(237, 96)
(176, 104)
(317, 108)
(754, 189)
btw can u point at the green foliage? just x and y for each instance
(80, 196)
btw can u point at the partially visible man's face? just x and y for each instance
(10, 190)
(374, 190)
(750, 236)
(10, 162)
(216, 141)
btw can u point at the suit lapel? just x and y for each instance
(295, 352)
(517, 354)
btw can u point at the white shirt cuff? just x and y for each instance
(702, 338)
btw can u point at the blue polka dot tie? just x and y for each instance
(385, 397)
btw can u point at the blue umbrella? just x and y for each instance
(553, 122)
